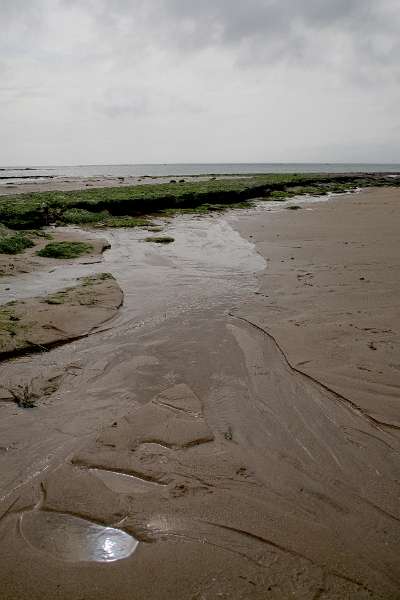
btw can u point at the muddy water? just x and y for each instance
(206, 251)
(205, 248)
(208, 267)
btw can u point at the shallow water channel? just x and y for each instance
(208, 267)
(167, 288)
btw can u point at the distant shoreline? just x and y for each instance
(189, 169)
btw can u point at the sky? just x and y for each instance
(164, 81)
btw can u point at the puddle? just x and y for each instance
(73, 539)
(121, 483)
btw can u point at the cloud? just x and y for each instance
(349, 36)
(225, 79)
(140, 103)
(364, 32)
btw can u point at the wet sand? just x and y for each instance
(38, 324)
(329, 295)
(213, 462)
(29, 261)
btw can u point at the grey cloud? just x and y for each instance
(293, 31)
(119, 102)
(11, 93)
(361, 33)
(274, 29)
(231, 79)
(139, 103)
(21, 22)
(375, 150)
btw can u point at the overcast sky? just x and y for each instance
(111, 81)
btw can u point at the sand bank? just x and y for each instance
(37, 324)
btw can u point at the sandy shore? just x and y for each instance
(234, 435)
(329, 295)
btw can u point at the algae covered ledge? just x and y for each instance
(131, 206)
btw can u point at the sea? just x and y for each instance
(26, 174)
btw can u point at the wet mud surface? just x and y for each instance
(38, 324)
(182, 441)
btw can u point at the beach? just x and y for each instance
(328, 295)
(231, 430)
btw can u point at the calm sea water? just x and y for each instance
(12, 174)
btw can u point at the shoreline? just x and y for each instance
(185, 426)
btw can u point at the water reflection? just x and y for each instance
(73, 539)
(122, 483)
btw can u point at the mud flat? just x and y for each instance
(188, 445)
